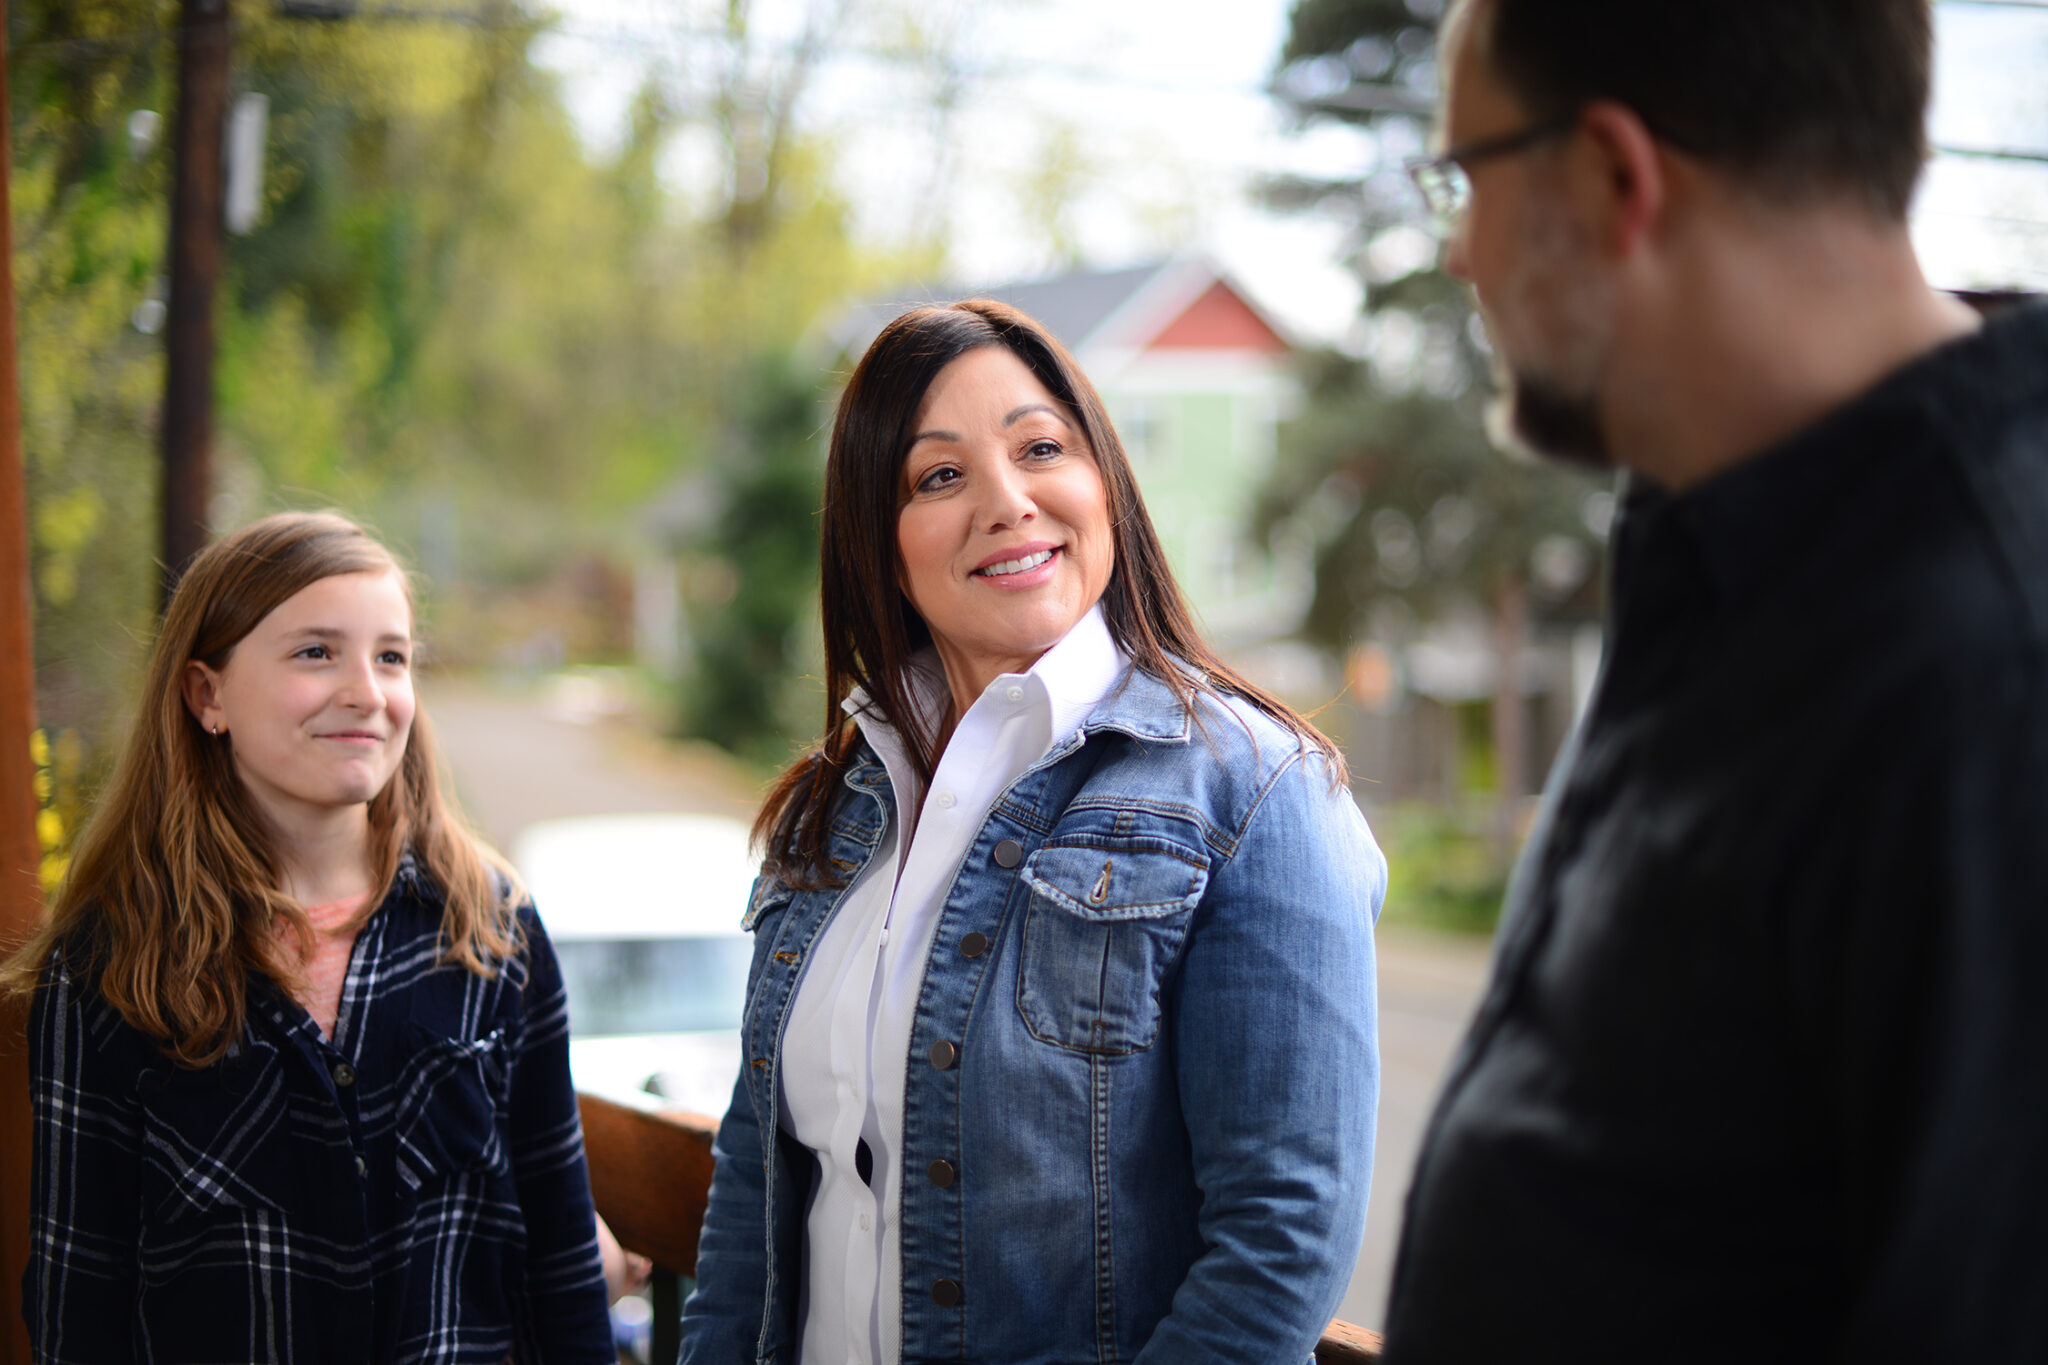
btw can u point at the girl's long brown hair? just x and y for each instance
(871, 629)
(172, 901)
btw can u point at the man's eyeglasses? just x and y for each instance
(1446, 182)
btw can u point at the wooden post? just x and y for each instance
(195, 251)
(20, 899)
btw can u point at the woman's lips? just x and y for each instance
(1025, 568)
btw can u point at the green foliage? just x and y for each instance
(1411, 502)
(1441, 869)
(755, 556)
(453, 321)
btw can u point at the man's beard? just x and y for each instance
(1548, 360)
(1532, 415)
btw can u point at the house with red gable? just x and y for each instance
(1197, 378)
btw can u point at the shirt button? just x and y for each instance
(344, 1074)
(1015, 694)
(362, 1166)
(974, 945)
(945, 800)
(946, 1293)
(1009, 853)
(944, 1054)
(941, 1173)
(867, 1224)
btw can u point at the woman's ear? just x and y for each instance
(201, 688)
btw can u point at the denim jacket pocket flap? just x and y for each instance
(216, 1140)
(449, 1105)
(1105, 925)
(769, 894)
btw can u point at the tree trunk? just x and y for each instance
(196, 205)
(1510, 711)
(20, 853)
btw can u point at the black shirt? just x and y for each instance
(1762, 1072)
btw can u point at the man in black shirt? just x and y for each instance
(1762, 1072)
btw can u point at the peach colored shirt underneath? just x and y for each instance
(334, 937)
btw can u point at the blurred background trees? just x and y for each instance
(1429, 541)
(452, 319)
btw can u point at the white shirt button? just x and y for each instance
(867, 1224)
(1015, 694)
(945, 800)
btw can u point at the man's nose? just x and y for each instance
(1457, 258)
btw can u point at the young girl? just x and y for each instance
(299, 1058)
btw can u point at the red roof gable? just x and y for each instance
(1218, 321)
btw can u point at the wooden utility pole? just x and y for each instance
(20, 855)
(196, 205)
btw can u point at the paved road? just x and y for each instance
(523, 755)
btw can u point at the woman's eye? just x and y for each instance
(945, 476)
(1044, 450)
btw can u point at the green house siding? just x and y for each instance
(1200, 459)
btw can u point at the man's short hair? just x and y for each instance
(1797, 98)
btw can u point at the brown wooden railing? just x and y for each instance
(650, 1172)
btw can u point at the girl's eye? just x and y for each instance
(394, 657)
(315, 652)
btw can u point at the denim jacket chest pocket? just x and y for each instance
(1106, 921)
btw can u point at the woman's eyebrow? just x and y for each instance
(1012, 417)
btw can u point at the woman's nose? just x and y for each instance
(1006, 498)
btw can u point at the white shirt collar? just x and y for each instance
(1067, 682)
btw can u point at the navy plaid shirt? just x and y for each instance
(413, 1190)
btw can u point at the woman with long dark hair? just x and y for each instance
(1060, 1035)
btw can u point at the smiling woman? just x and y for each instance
(1060, 1034)
(1004, 531)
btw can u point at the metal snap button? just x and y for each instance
(946, 1293)
(941, 1173)
(1009, 853)
(974, 945)
(944, 1054)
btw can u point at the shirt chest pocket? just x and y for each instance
(454, 1092)
(215, 1142)
(1106, 922)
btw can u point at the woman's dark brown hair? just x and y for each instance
(871, 629)
(172, 900)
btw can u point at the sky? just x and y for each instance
(1155, 109)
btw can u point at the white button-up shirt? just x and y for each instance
(845, 1056)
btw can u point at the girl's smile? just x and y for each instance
(316, 702)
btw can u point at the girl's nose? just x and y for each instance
(360, 688)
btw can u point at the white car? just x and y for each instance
(644, 912)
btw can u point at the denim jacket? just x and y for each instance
(1143, 1071)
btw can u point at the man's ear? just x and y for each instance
(201, 688)
(1633, 184)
